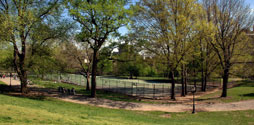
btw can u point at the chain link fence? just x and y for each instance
(131, 87)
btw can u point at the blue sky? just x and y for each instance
(124, 30)
(251, 2)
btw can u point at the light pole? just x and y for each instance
(193, 92)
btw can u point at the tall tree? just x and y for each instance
(207, 57)
(80, 54)
(230, 18)
(98, 19)
(19, 18)
(167, 28)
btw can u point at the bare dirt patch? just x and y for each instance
(165, 116)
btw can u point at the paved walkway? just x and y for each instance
(242, 105)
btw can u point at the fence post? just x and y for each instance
(75, 79)
(125, 90)
(144, 90)
(102, 84)
(108, 86)
(131, 89)
(153, 91)
(168, 90)
(136, 89)
(71, 78)
(116, 85)
(80, 82)
(163, 90)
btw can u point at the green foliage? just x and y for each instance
(105, 65)
(6, 56)
(29, 14)
(164, 27)
(128, 61)
(98, 18)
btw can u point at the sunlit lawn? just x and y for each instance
(19, 110)
(245, 91)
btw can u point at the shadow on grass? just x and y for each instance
(248, 95)
(15, 91)
(246, 83)
(6, 88)
(108, 95)
(84, 96)
(208, 99)
(41, 94)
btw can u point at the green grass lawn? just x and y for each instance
(2, 83)
(19, 110)
(245, 91)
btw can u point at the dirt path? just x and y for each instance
(242, 105)
(12, 81)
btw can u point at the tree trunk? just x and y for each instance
(205, 81)
(225, 82)
(202, 78)
(131, 76)
(87, 81)
(23, 80)
(195, 79)
(182, 82)
(202, 67)
(23, 77)
(19, 65)
(206, 66)
(173, 85)
(94, 70)
(185, 81)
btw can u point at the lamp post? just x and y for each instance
(193, 92)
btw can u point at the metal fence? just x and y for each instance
(138, 88)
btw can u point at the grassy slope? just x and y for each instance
(16, 110)
(245, 91)
(2, 83)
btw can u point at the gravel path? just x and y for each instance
(234, 106)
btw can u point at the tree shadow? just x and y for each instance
(15, 92)
(248, 95)
(7, 88)
(208, 99)
(246, 83)
(100, 102)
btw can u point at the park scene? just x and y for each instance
(127, 62)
